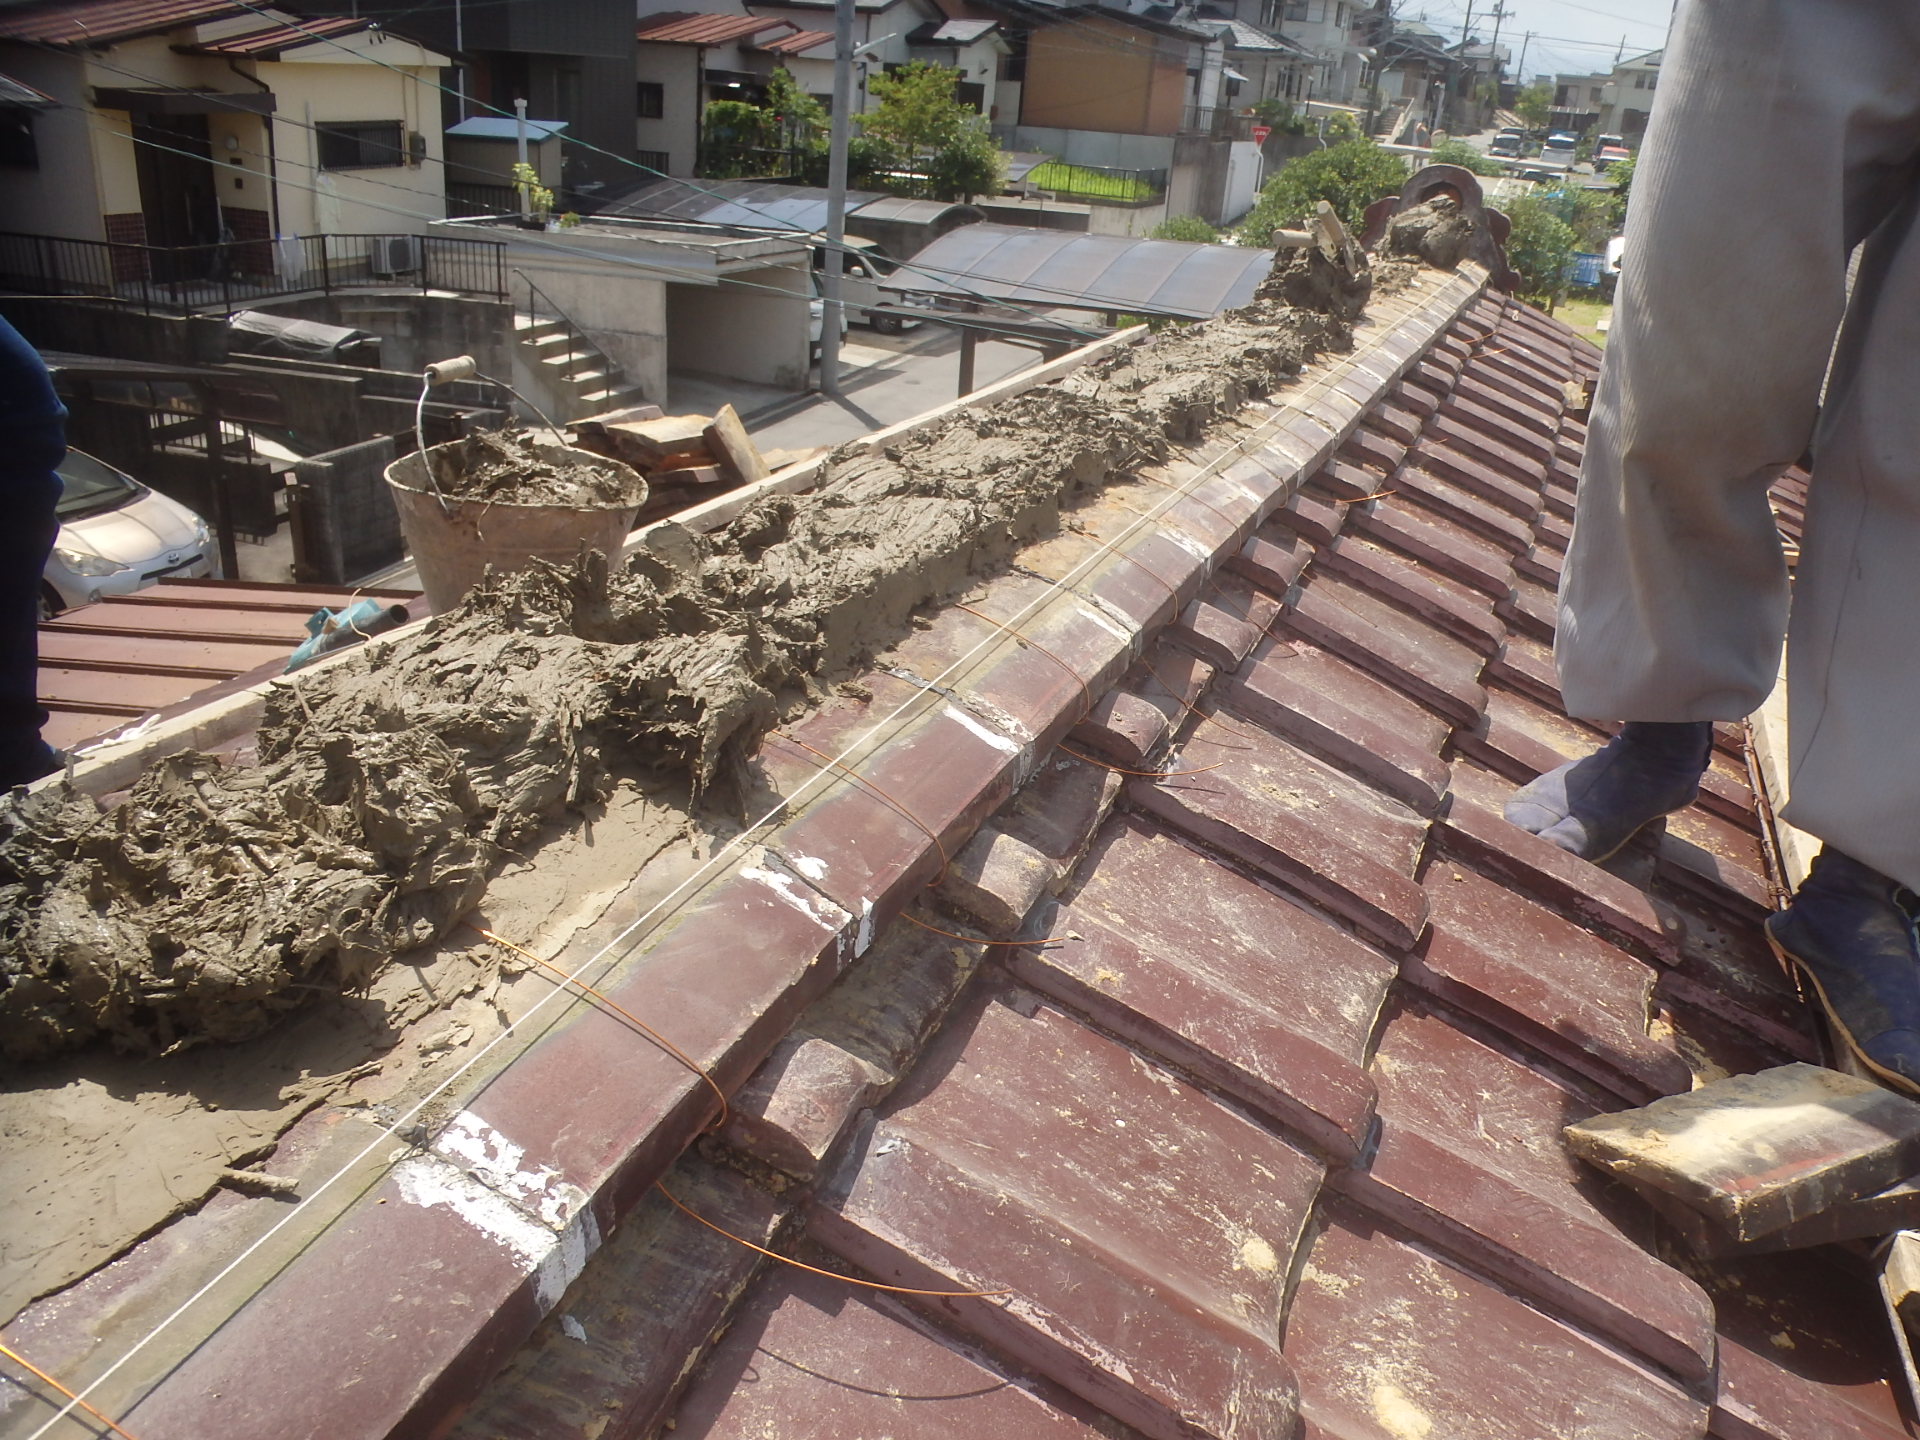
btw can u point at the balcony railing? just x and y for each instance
(1097, 182)
(219, 279)
(1220, 122)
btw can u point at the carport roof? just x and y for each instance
(1018, 264)
(762, 204)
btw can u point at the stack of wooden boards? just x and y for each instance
(685, 458)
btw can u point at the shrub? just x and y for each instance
(1184, 227)
(1349, 176)
(1457, 152)
(1540, 249)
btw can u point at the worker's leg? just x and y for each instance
(1781, 138)
(1853, 656)
(1782, 135)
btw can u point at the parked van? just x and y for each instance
(861, 272)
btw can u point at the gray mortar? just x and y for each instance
(215, 897)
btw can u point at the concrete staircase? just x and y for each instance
(568, 370)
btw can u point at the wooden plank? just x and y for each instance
(729, 444)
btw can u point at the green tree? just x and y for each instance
(930, 142)
(1457, 152)
(1621, 174)
(1349, 176)
(735, 138)
(1184, 227)
(1540, 249)
(1534, 105)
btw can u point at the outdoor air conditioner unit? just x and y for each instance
(394, 254)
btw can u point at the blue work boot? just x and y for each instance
(1849, 935)
(1592, 806)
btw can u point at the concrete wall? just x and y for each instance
(1134, 220)
(1096, 147)
(416, 330)
(62, 197)
(345, 524)
(1099, 74)
(744, 333)
(622, 311)
(676, 69)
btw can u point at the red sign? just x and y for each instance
(1260, 133)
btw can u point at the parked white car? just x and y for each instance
(117, 536)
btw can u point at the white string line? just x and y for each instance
(391, 1132)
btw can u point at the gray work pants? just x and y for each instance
(1785, 133)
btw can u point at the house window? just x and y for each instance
(1340, 17)
(651, 97)
(17, 150)
(657, 160)
(1296, 9)
(360, 144)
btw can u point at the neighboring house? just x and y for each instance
(1335, 33)
(681, 62)
(196, 122)
(1143, 99)
(975, 48)
(1414, 67)
(1483, 67)
(1260, 64)
(570, 60)
(1576, 102)
(1627, 97)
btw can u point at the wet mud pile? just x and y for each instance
(511, 466)
(389, 785)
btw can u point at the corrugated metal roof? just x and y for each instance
(797, 43)
(952, 32)
(763, 205)
(265, 44)
(17, 92)
(102, 22)
(107, 664)
(686, 29)
(1017, 264)
(493, 127)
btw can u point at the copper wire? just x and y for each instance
(879, 790)
(1148, 774)
(815, 1269)
(625, 1014)
(970, 939)
(1086, 695)
(45, 1378)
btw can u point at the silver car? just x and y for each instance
(118, 536)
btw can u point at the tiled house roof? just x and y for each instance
(1247, 1121)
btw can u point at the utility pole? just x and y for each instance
(1520, 70)
(836, 195)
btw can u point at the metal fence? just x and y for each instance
(222, 278)
(1098, 182)
(1219, 122)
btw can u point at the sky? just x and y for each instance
(1569, 36)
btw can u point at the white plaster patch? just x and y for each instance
(572, 1328)
(1187, 543)
(1004, 743)
(495, 1161)
(807, 901)
(1119, 628)
(428, 1181)
(566, 1261)
(863, 937)
(811, 868)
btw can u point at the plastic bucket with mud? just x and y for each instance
(505, 499)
